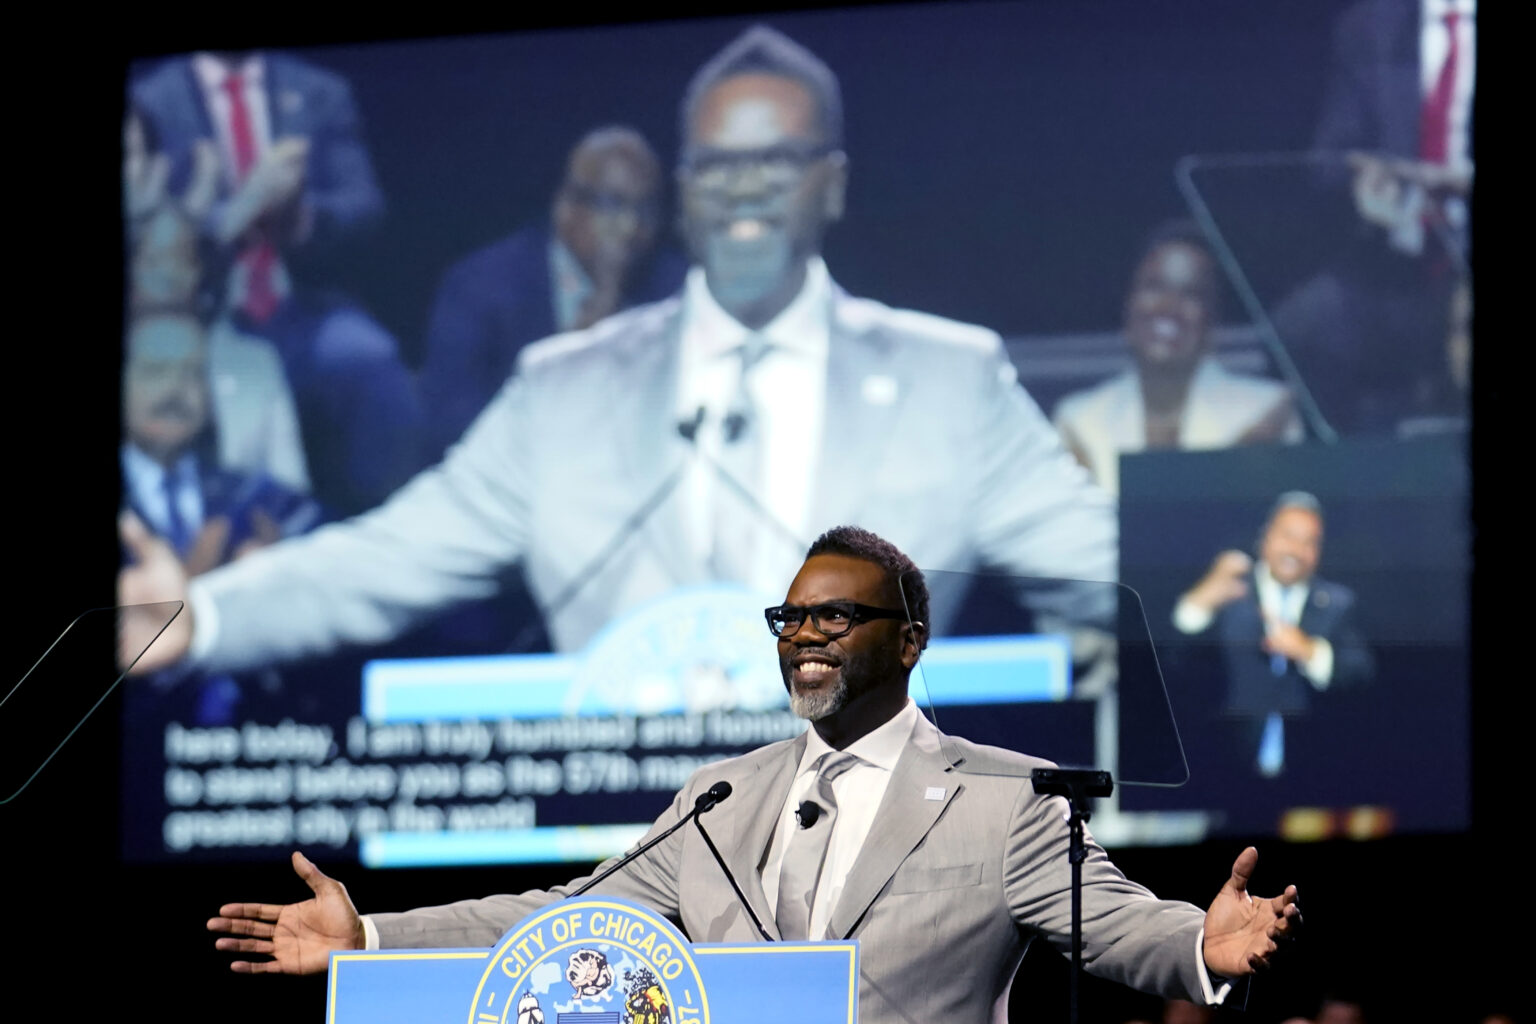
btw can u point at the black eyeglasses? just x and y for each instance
(780, 167)
(831, 618)
(603, 202)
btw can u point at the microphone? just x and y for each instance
(716, 793)
(808, 813)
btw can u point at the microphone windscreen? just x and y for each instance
(689, 429)
(706, 800)
(736, 423)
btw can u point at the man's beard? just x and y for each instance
(856, 674)
(815, 706)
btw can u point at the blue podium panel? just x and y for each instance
(403, 986)
(804, 982)
(597, 960)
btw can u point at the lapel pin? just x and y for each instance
(878, 389)
(934, 793)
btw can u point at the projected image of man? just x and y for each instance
(700, 439)
(1287, 635)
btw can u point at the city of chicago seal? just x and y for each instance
(592, 960)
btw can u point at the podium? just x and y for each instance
(598, 960)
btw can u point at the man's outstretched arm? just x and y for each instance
(299, 937)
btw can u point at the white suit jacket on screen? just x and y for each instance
(929, 441)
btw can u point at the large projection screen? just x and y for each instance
(1117, 291)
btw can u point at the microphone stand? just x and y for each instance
(688, 431)
(740, 896)
(718, 792)
(1079, 786)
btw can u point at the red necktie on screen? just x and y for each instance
(1435, 116)
(258, 261)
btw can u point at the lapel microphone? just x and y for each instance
(808, 813)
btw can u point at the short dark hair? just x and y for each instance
(619, 138)
(764, 50)
(1183, 231)
(1178, 231)
(1305, 500)
(857, 542)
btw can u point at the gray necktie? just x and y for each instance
(801, 872)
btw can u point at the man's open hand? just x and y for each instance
(146, 587)
(299, 937)
(1226, 581)
(1243, 933)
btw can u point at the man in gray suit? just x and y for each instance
(699, 439)
(941, 859)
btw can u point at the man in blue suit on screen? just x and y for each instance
(1287, 636)
(695, 440)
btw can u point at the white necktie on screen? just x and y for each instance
(734, 523)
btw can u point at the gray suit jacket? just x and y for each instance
(929, 441)
(944, 896)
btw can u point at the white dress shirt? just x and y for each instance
(787, 387)
(149, 489)
(211, 73)
(1434, 47)
(858, 790)
(570, 284)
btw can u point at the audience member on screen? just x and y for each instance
(1396, 134)
(1177, 395)
(208, 514)
(293, 168)
(204, 515)
(258, 427)
(147, 173)
(592, 258)
(694, 440)
(1399, 104)
(1287, 635)
(295, 175)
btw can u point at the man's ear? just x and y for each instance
(914, 636)
(834, 199)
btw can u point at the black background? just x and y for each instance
(1425, 927)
